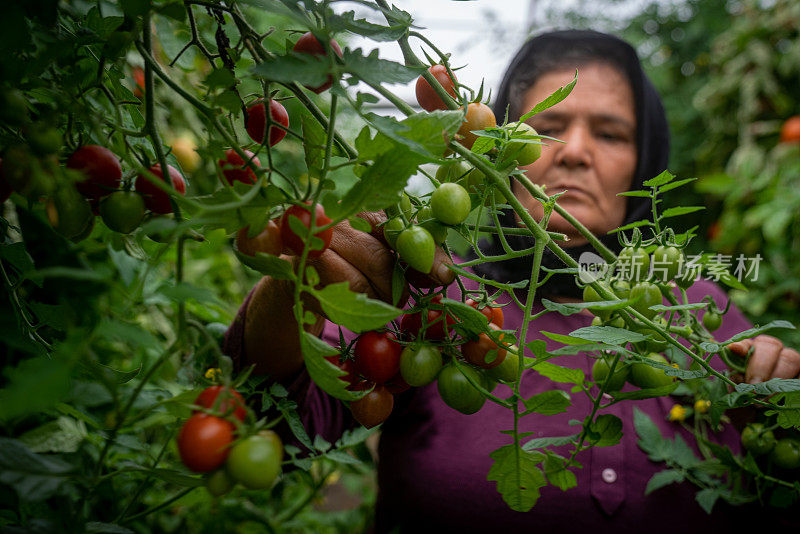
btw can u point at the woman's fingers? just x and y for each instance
(788, 365)
(763, 362)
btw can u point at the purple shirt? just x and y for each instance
(433, 460)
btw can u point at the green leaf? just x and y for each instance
(556, 441)
(640, 194)
(17, 255)
(664, 178)
(35, 477)
(314, 140)
(557, 96)
(605, 431)
(567, 340)
(360, 224)
(219, 78)
(381, 183)
(557, 474)
(753, 332)
(65, 434)
(663, 478)
(273, 266)
(683, 210)
(375, 71)
(322, 372)
(548, 402)
(644, 393)
(53, 315)
(518, 479)
(789, 414)
(34, 385)
(305, 69)
(706, 498)
(289, 411)
(347, 22)
(675, 185)
(557, 373)
(774, 385)
(354, 311)
(608, 334)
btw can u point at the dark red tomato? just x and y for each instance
(267, 241)
(230, 400)
(138, 78)
(479, 117)
(101, 168)
(427, 97)
(234, 169)
(296, 243)
(256, 122)
(5, 187)
(790, 131)
(411, 324)
(397, 384)
(493, 315)
(483, 351)
(348, 366)
(204, 442)
(156, 199)
(373, 408)
(377, 356)
(309, 44)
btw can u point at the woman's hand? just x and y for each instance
(770, 359)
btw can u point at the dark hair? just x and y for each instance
(573, 48)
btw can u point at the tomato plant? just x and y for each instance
(758, 440)
(419, 364)
(100, 168)
(204, 441)
(377, 356)
(255, 461)
(296, 243)
(122, 211)
(633, 263)
(309, 44)
(437, 230)
(436, 325)
(70, 214)
(601, 370)
(479, 116)
(712, 320)
(219, 483)
(234, 168)
(229, 401)
(667, 261)
(155, 198)
(256, 122)
(428, 99)
(456, 389)
(373, 408)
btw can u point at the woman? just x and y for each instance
(434, 460)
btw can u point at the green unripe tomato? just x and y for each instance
(437, 230)
(786, 453)
(392, 229)
(646, 377)
(524, 152)
(69, 213)
(255, 462)
(601, 370)
(450, 204)
(621, 288)
(633, 264)
(666, 263)
(756, 440)
(404, 207)
(456, 390)
(453, 171)
(419, 364)
(712, 320)
(507, 370)
(416, 247)
(122, 211)
(688, 277)
(646, 295)
(219, 483)
(591, 295)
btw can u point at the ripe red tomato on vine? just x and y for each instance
(256, 121)
(790, 131)
(230, 400)
(294, 242)
(309, 44)
(234, 169)
(374, 408)
(101, 169)
(377, 356)
(479, 117)
(493, 314)
(204, 442)
(156, 199)
(483, 351)
(428, 99)
(268, 241)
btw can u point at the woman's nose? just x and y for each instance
(576, 150)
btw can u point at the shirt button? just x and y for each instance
(609, 475)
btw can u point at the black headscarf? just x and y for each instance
(652, 139)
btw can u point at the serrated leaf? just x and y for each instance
(557, 373)
(554, 98)
(674, 185)
(548, 402)
(557, 474)
(62, 435)
(683, 210)
(567, 340)
(664, 178)
(381, 183)
(347, 22)
(706, 499)
(314, 138)
(375, 71)
(641, 194)
(610, 335)
(354, 311)
(518, 479)
(289, 411)
(556, 441)
(35, 477)
(774, 385)
(323, 372)
(17, 255)
(605, 431)
(753, 332)
(663, 478)
(360, 224)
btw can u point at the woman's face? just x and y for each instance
(597, 123)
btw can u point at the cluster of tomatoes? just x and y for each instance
(426, 348)
(760, 441)
(208, 443)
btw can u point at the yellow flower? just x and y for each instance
(213, 373)
(702, 406)
(677, 413)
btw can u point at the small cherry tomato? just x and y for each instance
(392, 229)
(757, 440)
(122, 211)
(69, 213)
(507, 370)
(411, 324)
(633, 263)
(601, 371)
(309, 44)
(484, 352)
(256, 121)
(416, 247)
(437, 230)
(419, 364)
(667, 261)
(268, 241)
(712, 320)
(524, 152)
(646, 376)
(156, 199)
(790, 131)
(296, 243)
(229, 400)
(234, 169)
(646, 295)
(203, 442)
(450, 204)
(397, 384)
(101, 168)
(786, 453)
(377, 355)
(493, 314)
(219, 483)
(456, 390)
(374, 408)
(348, 366)
(427, 97)
(255, 462)
(479, 117)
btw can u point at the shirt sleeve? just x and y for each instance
(319, 413)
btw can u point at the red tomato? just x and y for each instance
(427, 97)
(156, 199)
(309, 44)
(377, 356)
(231, 400)
(493, 315)
(479, 117)
(256, 121)
(294, 242)
(348, 366)
(374, 408)
(477, 351)
(790, 131)
(204, 441)
(100, 167)
(268, 241)
(234, 170)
